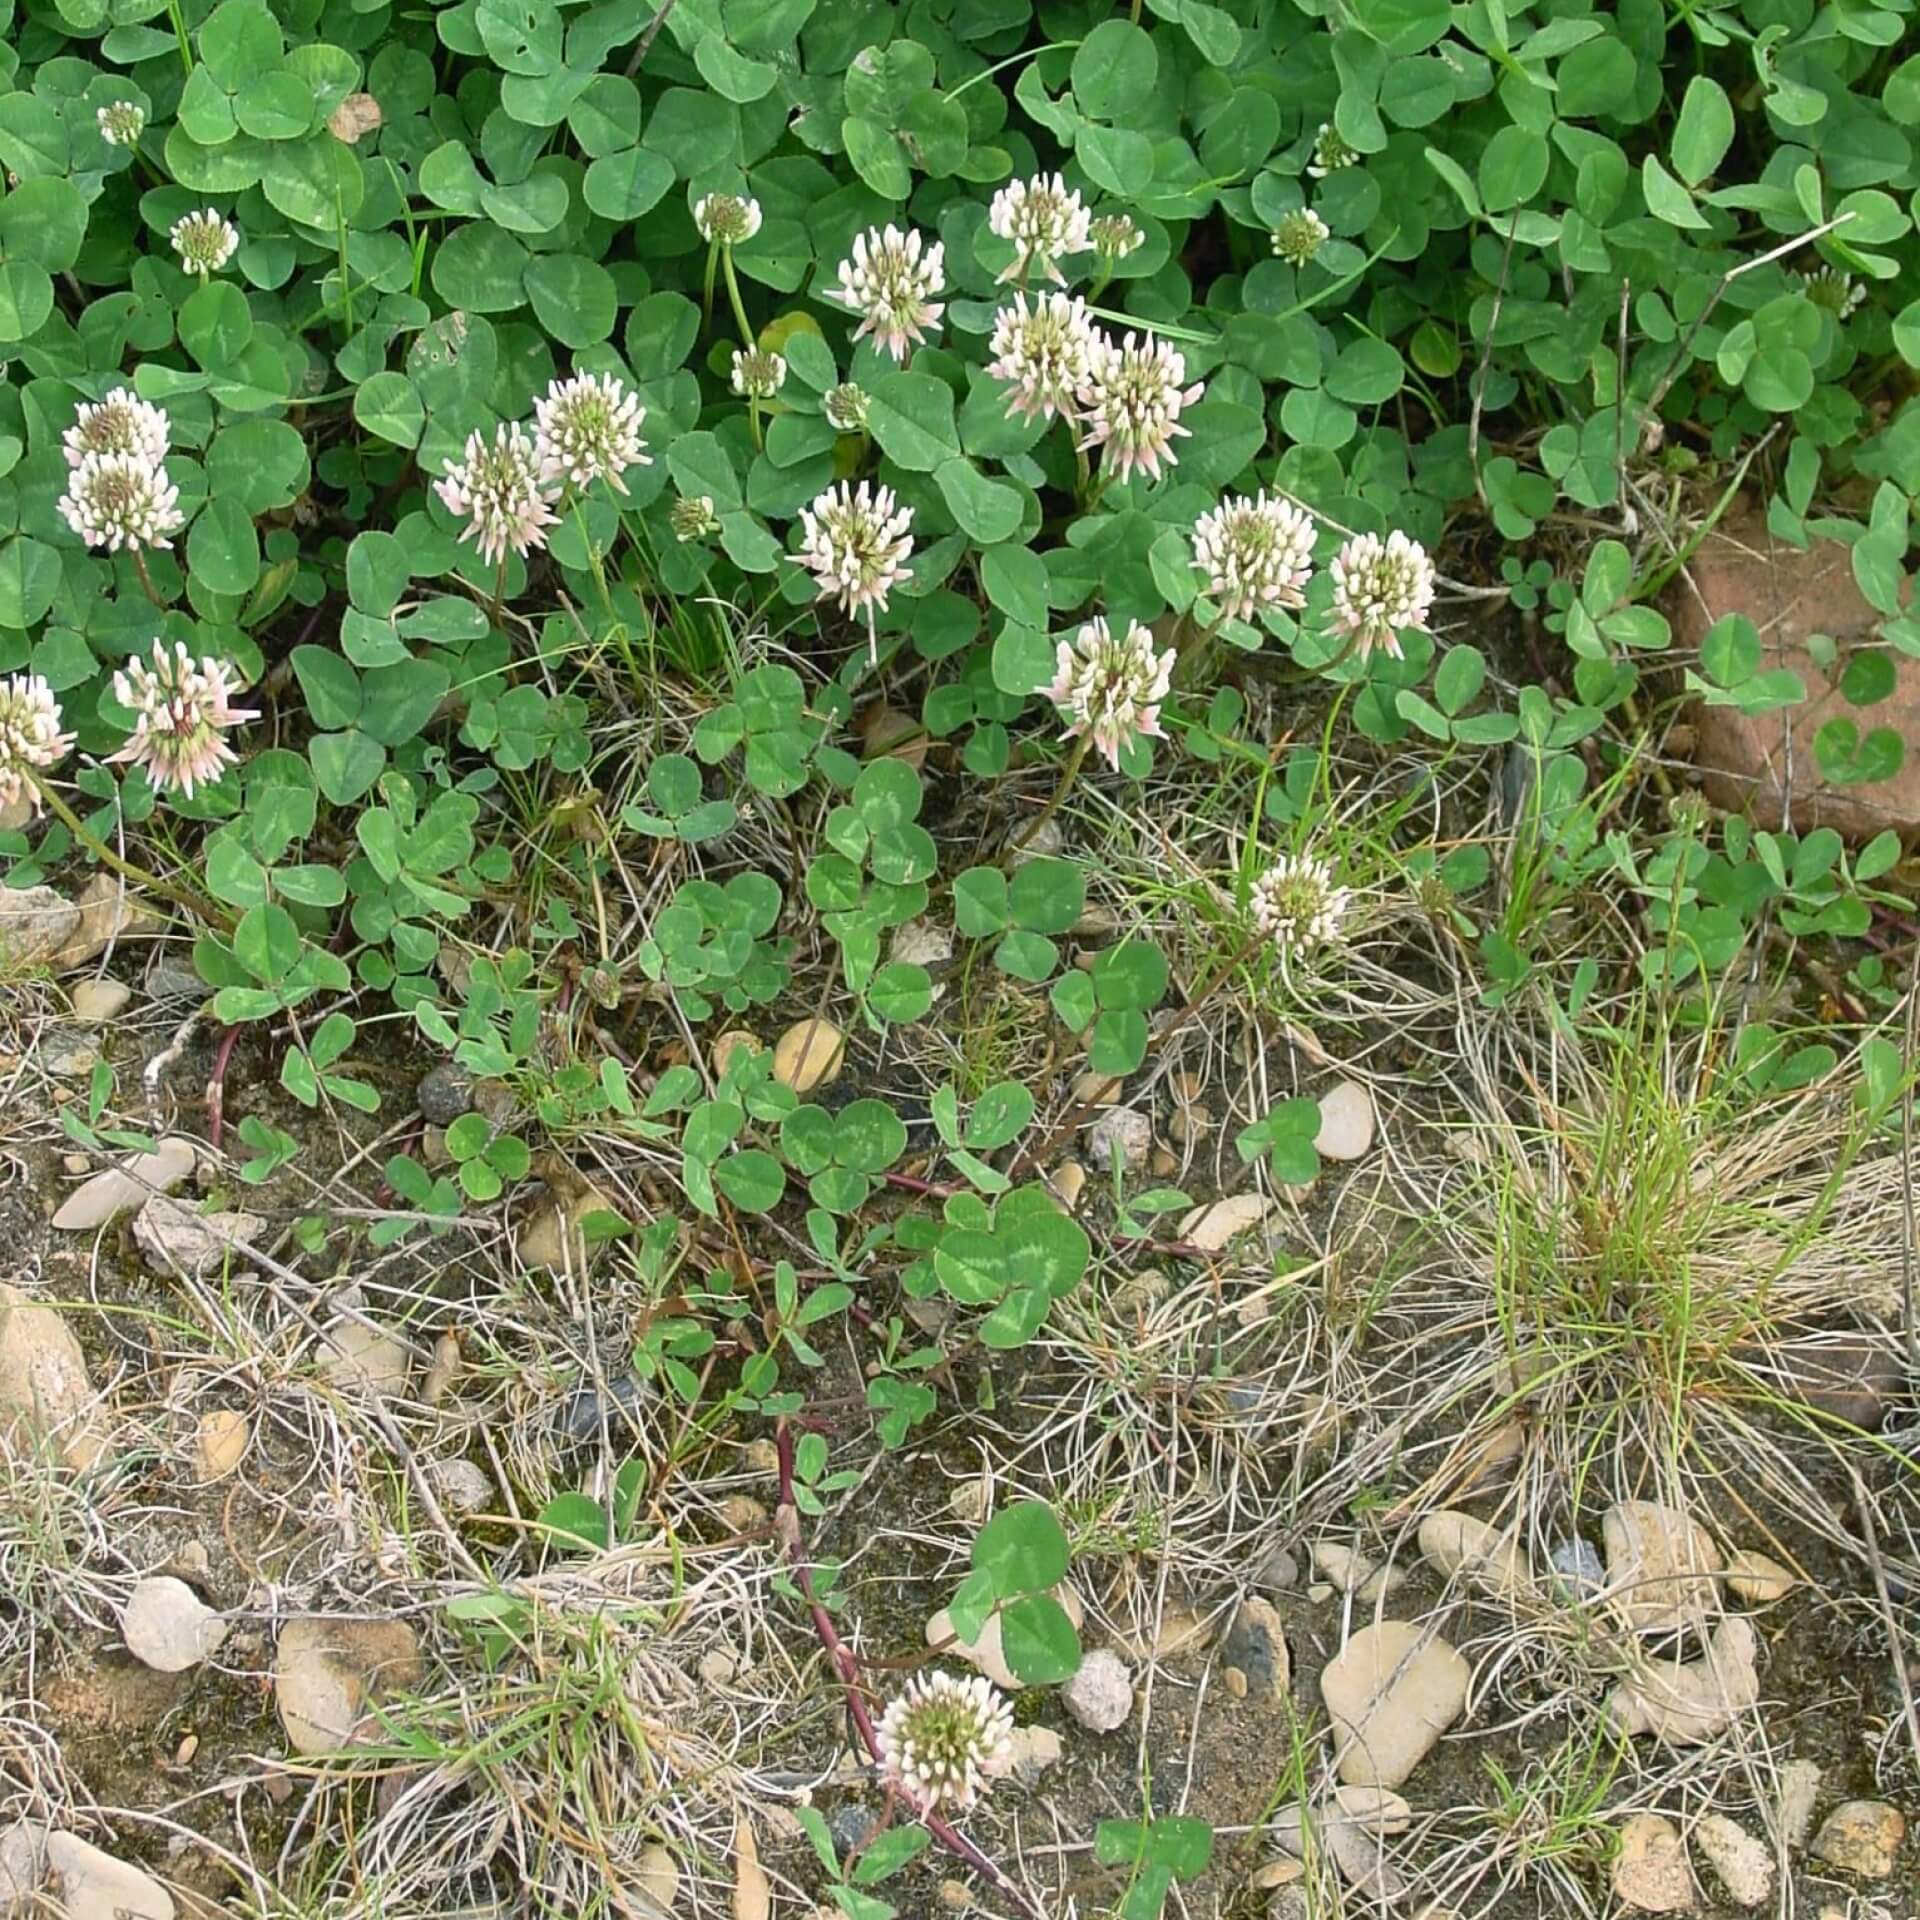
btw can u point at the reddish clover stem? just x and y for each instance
(846, 1665)
(217, 1086)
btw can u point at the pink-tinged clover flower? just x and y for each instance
(1044, 218)
(1043, 352)
(1131, 402)
(855, 540)
(30, 736)
(1380, 589)
(587, 429)
(498, 486)
(890, 280)
(1255, 553)
(182, 708)
(1108, 687)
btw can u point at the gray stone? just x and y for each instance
(170, 977)
(464, 1486)
(174, 1239)
(1580, 1571)
(36, 923)
(363, 1360)
(1256, 1644)
(1124, 1130)
(445, 1094)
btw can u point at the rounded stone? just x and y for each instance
(168, 1627)
(445, 1094)
(1100, 1695)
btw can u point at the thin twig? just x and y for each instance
(1680, 359)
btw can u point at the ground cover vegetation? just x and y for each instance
(920, 790)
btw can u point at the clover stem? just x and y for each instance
(189, 902)
(146, 579)
(1067, 776)
(499, 589)
(706, 298)
(733, 299)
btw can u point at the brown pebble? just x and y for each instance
(1236, 1682)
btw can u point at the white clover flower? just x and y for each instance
(727, 217)
(1838, 292)
(1130, 403)
(30, 735)
(205, 241)
(758, 374)
(1044, 218)
(890, 280)
(182, 708)
(1296, 905)
(1109, 687)
(1044, 353)
(1299, 236)
(945, 1740)
(116, 500)
(1115, 235)
(845, 407)
(693, 518)
(1255, 553)
(1379, 588)
(121, 423)
(500, 488)
(588, 428)
(1330, 153)
(855, 540)
(121, 122)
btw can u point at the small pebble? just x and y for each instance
(1100, 1695)
(1582, 1573)
(1862, 1837)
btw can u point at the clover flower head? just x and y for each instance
(182, 708)
(588, 428)
(1115, 235)
(1299, 236)
(1296, 905)
(1044, 353)
(499, 487)
(1255, 553)
(944, 1740)
(1130, 403)
(846, 407)
(116, 500)
(1331, 152)
(30, 735)
(121, 423)
(1044, 218)
(727, 217)
(693, 518)
(856, 541)
(1381, 587)
(890, 280)
(121, 122)
(205, 241)
(758, 374)
(1840, 293)
(1109, 686)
